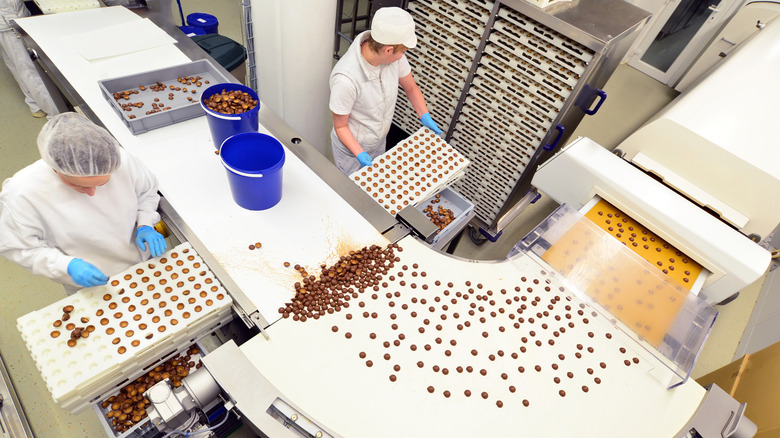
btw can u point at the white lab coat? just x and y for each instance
(18, 61)
(368, 94)
(44, 224)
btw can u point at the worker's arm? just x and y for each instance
(145, 185)
(341, 126)
(414, 94)
(418, 102)
(22, 242)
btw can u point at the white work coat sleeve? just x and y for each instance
(146, 191)
(22, 243)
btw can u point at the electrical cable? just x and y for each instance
(191, 422)
(187, 434)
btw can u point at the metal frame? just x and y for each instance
(340, 21)
(13, 422)
(587, 24)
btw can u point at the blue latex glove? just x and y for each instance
(428, 122)
(364, 158)
(153, 239)
(85, 274)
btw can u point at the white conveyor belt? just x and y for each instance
(322, 372)
(310, 226)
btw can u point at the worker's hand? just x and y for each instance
(85, 274)
(153, 239)
(364, 158)
(428, 122)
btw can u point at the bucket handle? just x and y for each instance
(238, 172)
(224, 116)
(218, 114)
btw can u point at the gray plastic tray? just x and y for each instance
(179, 108)
(461, 207)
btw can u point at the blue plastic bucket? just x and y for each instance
(191, 31)
(223, 126)
(207, 22)
(254, 164)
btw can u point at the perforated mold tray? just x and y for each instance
(57, 6)
(412, 171)
(139, 316)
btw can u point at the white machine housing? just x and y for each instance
(716, 144)
(584, 169)
(714, 151)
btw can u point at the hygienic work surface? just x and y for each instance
(140, 315)
(311, 224)
(410, 172)
(445, 347)
(58, 6)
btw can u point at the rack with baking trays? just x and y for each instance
(508, 83)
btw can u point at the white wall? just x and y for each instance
(293, 42)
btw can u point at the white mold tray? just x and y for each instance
(412, 171)
(142, 314)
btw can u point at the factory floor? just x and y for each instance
(633, 98)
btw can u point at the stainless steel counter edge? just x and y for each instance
(241, 303)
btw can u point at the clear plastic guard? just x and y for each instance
(654, 310)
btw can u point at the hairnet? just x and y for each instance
(74, 146)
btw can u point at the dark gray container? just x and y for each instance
(177, 108)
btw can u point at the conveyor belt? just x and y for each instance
(448, 347)
(648, 245)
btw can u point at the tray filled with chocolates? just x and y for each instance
(411, 172)
(162, 97)
(90, 341)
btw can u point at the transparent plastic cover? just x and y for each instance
(660, 314)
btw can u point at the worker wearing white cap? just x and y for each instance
(84, 211)
(364, 89)
(19, 63)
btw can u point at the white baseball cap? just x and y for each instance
(392, 25)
